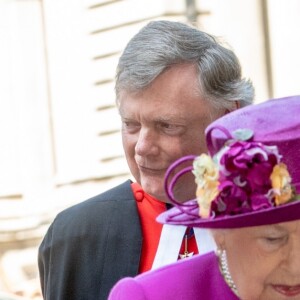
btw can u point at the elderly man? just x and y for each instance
(172, 81)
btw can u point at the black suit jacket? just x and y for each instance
(90, 246)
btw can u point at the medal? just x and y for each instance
(186, 253)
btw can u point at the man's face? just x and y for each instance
(163, 123)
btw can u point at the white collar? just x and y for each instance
(170, 243)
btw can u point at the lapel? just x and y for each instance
(123, 238)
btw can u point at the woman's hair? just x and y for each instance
(161, 44)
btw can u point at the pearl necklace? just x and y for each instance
(225, 270)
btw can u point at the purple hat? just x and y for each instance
(251, 176)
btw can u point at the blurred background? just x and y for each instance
(59, 128)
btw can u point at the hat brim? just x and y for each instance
(284, 213)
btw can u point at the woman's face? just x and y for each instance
(264, 261)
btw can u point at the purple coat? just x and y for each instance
(194, 278)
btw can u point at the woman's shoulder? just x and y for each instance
(127, 289)
(180, 280)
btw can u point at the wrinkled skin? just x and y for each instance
(163, 123)
(264, 261)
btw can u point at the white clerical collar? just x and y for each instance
(170, 243)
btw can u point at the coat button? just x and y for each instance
(139, 196)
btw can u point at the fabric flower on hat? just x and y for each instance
(243, 176)
(281, 183)
(249, 163)
(246, 166)
(206, 176)
(231, 200)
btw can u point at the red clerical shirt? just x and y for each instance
(149, 208)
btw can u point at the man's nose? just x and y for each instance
(147, 142)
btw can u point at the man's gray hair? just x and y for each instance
(161, 44)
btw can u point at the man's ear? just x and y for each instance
(236, 105)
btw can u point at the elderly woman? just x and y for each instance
(248, 194)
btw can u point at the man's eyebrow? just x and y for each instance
(170, 118)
